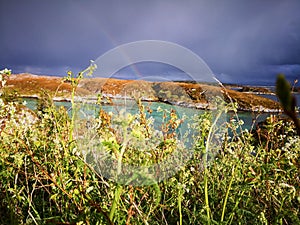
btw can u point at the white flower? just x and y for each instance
(5, 71)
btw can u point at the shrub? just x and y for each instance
(45, 179)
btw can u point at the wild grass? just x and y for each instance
(253, 179)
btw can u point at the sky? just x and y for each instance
(246, 42)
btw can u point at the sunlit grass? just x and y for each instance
(253, 179)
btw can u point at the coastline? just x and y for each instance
(185, 94)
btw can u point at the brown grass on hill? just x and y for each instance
(27, 84)
(104, 85)
(251, 101)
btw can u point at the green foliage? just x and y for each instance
(288, 101)
(5, 94)
(283, 91)
(44, 177)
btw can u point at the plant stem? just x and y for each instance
(118, 190)
(206, 194)
(73, 115)
(205, 166)
(114, 205)
(227, 194)
(179, 200)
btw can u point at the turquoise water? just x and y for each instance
(129, 106)
(122, 105)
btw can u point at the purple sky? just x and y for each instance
(241, 41)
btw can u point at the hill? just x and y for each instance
(180, 93)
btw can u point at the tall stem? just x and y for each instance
(119, 188)
(205, 158)
(227, 194)
(73, 115)
(115, 203)
(179, 200)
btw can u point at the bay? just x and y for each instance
(250, 119)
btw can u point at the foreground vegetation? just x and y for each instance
(44, 177)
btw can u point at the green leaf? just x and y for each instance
(283, 91)
(53, 197)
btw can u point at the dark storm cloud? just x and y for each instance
(242, 41)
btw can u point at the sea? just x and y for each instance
(157, 109)
(159, 114)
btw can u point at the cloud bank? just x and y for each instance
(241, 41)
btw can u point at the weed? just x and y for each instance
(253, 179)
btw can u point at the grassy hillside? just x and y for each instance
(173, 92)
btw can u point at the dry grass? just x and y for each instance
(27, 84)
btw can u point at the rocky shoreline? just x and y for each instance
(192, 95)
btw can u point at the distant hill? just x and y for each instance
(180, 93)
